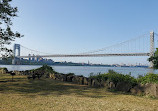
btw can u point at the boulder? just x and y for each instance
(22, 73)
(85, 81)
(151, 89)
(3, 70)
(60, 77)
(17, 72)
(103, 83)
(69, 78)
(75, 79)
(111, 85)
(56, 76)
(52, 76)
(95, 83)
(80, 80)
(64, 76)
(90, 81)
(26, 72)
(123, 86)
(138, 89)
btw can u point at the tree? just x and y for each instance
(7, 13)
(154, 59)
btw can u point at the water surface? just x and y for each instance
(86, 70)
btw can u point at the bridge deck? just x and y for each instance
(89, 55)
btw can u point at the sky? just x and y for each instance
(77, 26)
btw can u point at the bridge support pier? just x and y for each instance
(151, 47)
(16, 46)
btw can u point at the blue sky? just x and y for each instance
(76, 26)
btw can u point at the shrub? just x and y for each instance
(70, 74)
(115, 77)
(45, 69)
(148, 78)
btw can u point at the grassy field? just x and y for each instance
(51, 95)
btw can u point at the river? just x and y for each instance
(86, 70)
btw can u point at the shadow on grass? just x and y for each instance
(45, 87)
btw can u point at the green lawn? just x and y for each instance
(51, 95)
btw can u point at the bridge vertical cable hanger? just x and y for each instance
(119, 45)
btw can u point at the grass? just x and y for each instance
(51, 95)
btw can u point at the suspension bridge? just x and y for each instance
(139, 46)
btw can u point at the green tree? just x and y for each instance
(7, 13)
(154, 59)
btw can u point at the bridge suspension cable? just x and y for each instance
(105, 48)
(33, 50)
(156, 34)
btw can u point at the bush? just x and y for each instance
(70, 74)
(45, 69)
(115, 77)
(148, 78)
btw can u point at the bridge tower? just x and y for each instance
(16, 46)
(151, 47)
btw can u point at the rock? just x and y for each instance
(75, 79)
(111, 85)
(90, 81)
(60, 77)
(26, 72)
(47, 75)
(123, 86)
(17, 72)
(103, 83)
(69, 78)
(151, 89)
(22, 73)
(95, 83)
(3, 70)
(138, 89)
(56, 76)
(80, 80)
(52, 76)
(85, 81)
(64, 76)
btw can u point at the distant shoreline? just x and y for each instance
(81, 65)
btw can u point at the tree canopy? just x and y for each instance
(154, 59)
(7, 13)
